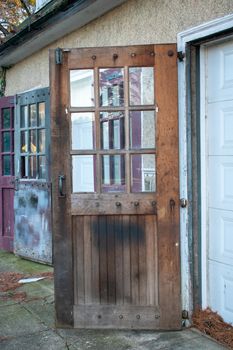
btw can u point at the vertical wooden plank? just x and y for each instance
(134, 260)
(78, 228)
(119, 260)
(142, 260)
(126, 259)
(62, 227)
(151, 266)
(168, 186)
(87, 259)
(111, 246)
(103, 260)
(95, 260)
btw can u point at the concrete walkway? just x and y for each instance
(29, 324)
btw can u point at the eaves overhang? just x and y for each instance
(50, 27)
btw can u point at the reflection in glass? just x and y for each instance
(32, 140)
(112, 130)
(82, 130)
(142, 129)
(41, 135)
(41, 109)
(6, 165)
(113, 173)
(32, 167)
(6, 141)
(42, 167)
(32, 115)
(24, 167)
(6, 114)
(141, 84)
(24, 117)
(24, 141)
(111, 81)
(82, 88)
(83, 173)
(143, 175)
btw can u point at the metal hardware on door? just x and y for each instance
(15, 182)
(172, 204)
(136, 204)
(61, 179)
(153, 203)
(118, 204)
(183, 202)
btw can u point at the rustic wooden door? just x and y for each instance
(7, 173)
(115, 187)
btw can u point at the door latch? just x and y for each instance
(61, 179)
(183, 202)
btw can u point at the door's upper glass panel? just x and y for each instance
(143, 173)
(6, 165)
(82, 88)
(84, 173)
(6, 141)
(82, 129)
(112, 130)
(41, 109)
(141, 86)
(32, 115)
(6, 118)
(111, 85)
(24, 141)
(113, 173)
(32, 140)
(142, 129)
(24, 117)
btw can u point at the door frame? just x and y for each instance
(218, 29)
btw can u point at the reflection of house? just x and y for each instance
(113, 131)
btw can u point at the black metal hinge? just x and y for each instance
(58, 55)
(180, 56)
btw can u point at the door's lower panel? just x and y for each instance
(109, 316)
(115, 270)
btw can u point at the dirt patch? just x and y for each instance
(212, 324)
(9, 280)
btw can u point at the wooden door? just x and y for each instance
(115, 187)
(7, 173)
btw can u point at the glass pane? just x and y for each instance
(84, 173)
(113, 173)
(141, 84)
(6, 115)
(24, 167)
(6, 141)
(112, 130)
(41, 135)
(82, 88)
(24, 117)
(24, 141)
(41, 109)
(143, 173)
(32, 167)
(32, 118)
(32, 139)
(111, 82)
(42, 167)
(6, 165)
(82, 130)
(142, 129)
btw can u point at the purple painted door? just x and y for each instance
(7, 173)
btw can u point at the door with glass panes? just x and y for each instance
(115, 187)
(7, 173)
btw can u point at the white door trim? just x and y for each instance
(183, 38)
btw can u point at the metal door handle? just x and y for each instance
(61, 178)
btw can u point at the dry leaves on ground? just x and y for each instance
(212, 324)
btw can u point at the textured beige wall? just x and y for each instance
(135, 22)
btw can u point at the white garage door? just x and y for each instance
(219, 136)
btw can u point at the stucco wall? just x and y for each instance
(135, 22)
